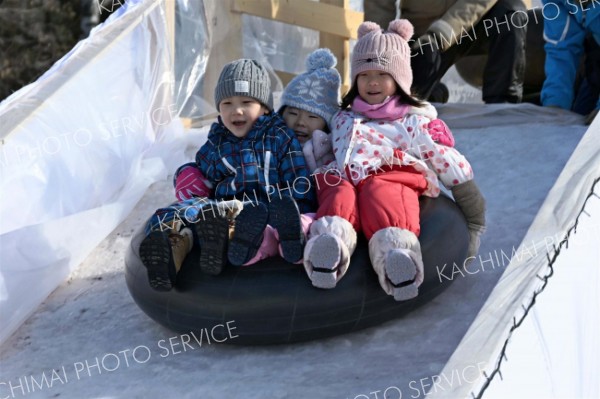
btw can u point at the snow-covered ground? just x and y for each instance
(90, 340)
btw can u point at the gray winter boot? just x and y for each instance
(327, 253)
(396, 258)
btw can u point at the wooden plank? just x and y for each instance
(225, 32)
(308, 14)
(285, 77)
(170, 17)
(341, 50)
(339, 47)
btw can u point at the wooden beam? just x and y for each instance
(285, 77)
(308, 14)
(170, 17)
(225, 32)
(340, 47)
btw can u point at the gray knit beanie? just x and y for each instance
(244, 78)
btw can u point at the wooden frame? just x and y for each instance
(326, 16)
(334, 20)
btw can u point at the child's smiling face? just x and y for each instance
(303, 123)
(375, 86)
(239, 113)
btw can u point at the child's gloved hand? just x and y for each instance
(472, 204)
(322, 144)
(190, 183)
(318, 150)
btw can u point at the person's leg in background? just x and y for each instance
(382, 12)
(505, 29)
(501, 34)
(589, 90)
(429, 65)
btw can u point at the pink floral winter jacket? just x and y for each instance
(362, 145)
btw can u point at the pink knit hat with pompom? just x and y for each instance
(384, 51)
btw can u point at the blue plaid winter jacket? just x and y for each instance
(264, 163)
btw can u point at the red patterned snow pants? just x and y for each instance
(385, 199)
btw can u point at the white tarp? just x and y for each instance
(79, 148)
(82, 144)
(556, 352)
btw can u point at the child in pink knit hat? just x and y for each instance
(386, 156)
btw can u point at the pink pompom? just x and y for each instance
(402, 27)
(367, 27)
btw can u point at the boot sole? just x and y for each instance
(401, 271)
(248, 234)
(282, 217)
(324, 263)
(155, 253)
(213, 233)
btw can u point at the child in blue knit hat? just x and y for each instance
(308, 104)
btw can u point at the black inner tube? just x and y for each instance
(274, 302)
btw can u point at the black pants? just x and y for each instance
(589, 89)
(504, 43)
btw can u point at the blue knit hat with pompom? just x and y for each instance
(318, 89)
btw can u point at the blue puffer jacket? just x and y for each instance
(267, 160)
(566, 23)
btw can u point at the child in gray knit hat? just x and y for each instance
(251, 161)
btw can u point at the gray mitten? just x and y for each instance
(472, 204)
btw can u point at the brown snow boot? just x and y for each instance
(163, 253)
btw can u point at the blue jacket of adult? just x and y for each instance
(566, 23)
